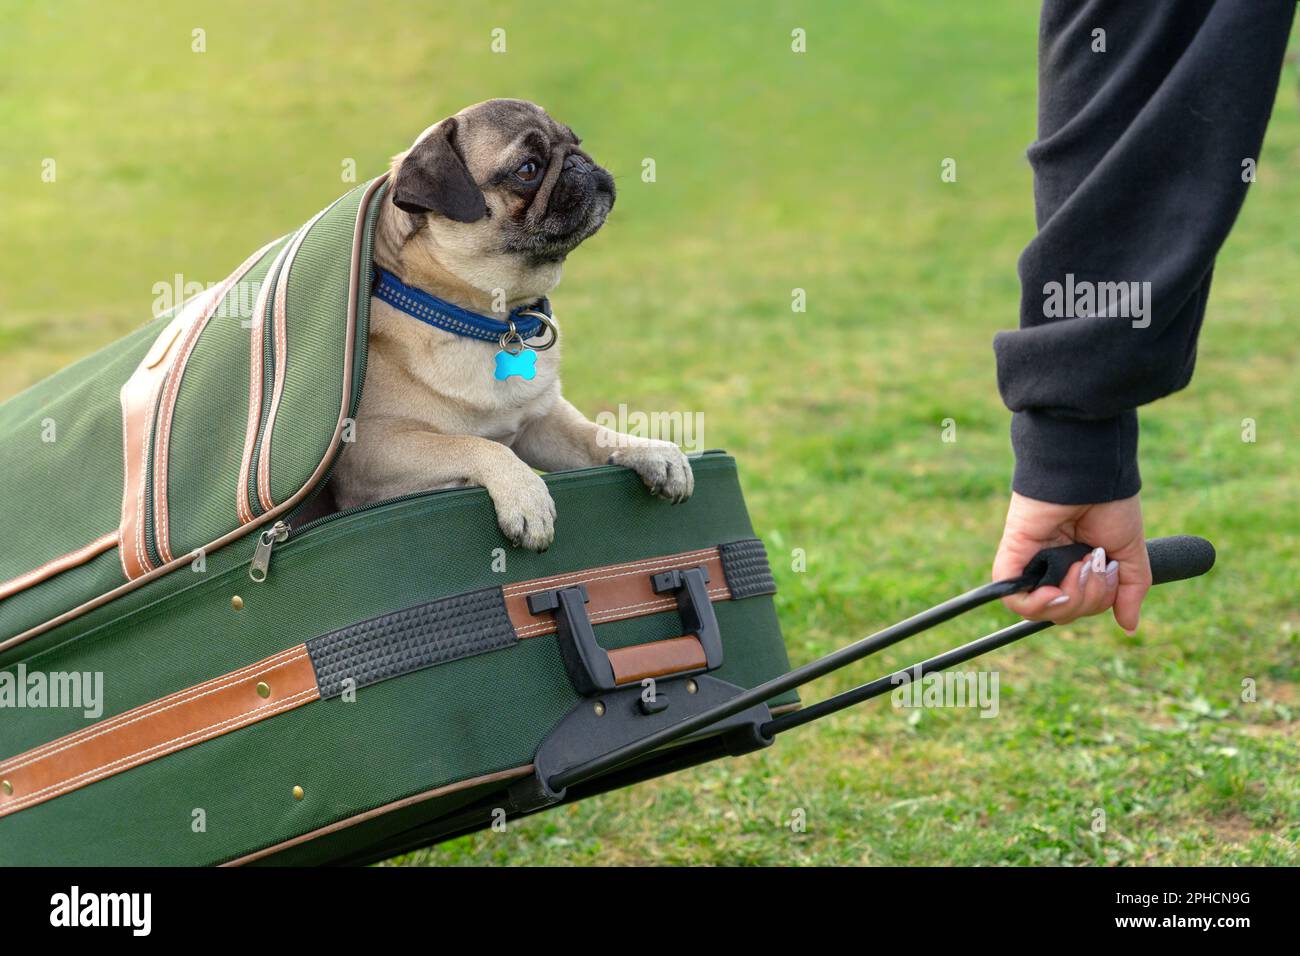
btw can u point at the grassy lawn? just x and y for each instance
(774, 171)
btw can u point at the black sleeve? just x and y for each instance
(1141, 164)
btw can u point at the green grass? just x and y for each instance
(774, 171)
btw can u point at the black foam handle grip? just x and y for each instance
(1179, 557)
(1172, 559)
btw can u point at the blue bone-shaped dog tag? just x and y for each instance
(522, 363)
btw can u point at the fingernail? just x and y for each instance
(1112, 574)
(1099, 560)
(1057, 602)
(1130, 633)
(1084, 572)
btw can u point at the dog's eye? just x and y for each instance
(528, 171)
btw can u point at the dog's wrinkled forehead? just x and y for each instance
(448, 168)
(495, 128)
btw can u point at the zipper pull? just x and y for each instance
(262, 555)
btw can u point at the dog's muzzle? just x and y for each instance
(576, 162)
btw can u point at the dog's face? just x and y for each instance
(499, 194)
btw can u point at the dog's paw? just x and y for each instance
(662, 466)
(525, 511)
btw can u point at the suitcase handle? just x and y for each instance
(1172, 559)
(592, 669)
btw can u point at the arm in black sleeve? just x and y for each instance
(1139, 172)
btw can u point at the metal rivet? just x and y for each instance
(7, 787)
(237, 603)
(691, 687)
(599, 708)
(263, 689)
(297, 793)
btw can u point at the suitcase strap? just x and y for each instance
(426, 635)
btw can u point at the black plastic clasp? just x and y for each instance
(585, 661)
(693, 604)
(588, 664)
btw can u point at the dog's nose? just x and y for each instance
(578, 163)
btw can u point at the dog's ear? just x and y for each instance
(433, 178)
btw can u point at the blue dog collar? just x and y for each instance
(441, 314)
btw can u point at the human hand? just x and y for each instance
(1116, 575)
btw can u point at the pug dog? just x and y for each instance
(482, 211)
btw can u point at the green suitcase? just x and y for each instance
(360, 775)
(195, 670)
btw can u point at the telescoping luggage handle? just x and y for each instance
(571, 756)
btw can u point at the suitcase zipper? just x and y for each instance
(268, 389)
(266, 541)
(150, 541)
(281, 530)
(269, 381)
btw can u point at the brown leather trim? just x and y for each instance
(281, 360)
(657, 659)
(615, 591)
(255, 374)
(174, 372)
(156, 729)
(316, 476)
(500, 775)
(138, 397)
(50, 568)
